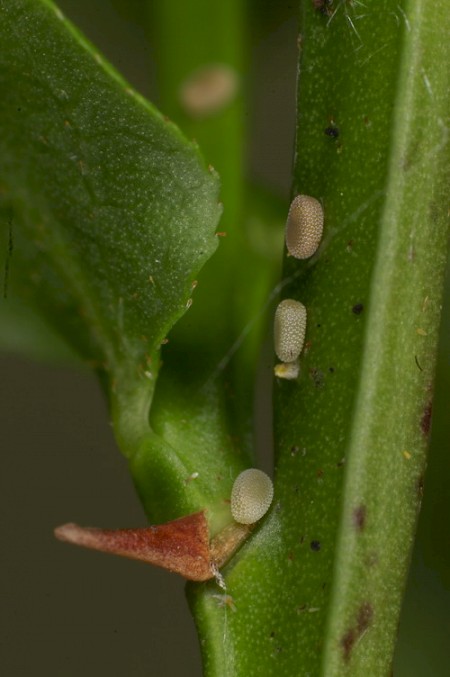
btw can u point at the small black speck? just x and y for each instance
(272, 634)
(358, 308)
(315, 546)
(331, 370)
(294, 450)
(332, 131)
(18, 110)
(318, 325)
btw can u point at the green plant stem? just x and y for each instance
(388, 442)
(317, 590)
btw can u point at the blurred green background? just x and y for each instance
(67, 612)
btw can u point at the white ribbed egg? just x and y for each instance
(304, 226)
(251, 496)
(289, 329)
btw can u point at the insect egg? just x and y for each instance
(251, 496)
(289, 329)
(304, 226)
(209, 89)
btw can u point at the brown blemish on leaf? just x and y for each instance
(365, 615)
(181, 546)
(359, 517)
(347, 643)
(425, 421)
(317, 377)
(356, 632)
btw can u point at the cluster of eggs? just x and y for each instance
(252, 491)
(304, 229)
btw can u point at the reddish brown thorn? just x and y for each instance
(181, 546)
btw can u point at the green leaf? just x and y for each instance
(318, 588)
(109, 213)
(113, 212)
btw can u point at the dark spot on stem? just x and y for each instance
(315, 546)
(332, 131)
(347, 643)
(425, 421)
(323, 6)
(359, 517)
(352, 636)
(358, 308)
(317, 376)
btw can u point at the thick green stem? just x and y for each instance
(318, 588)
